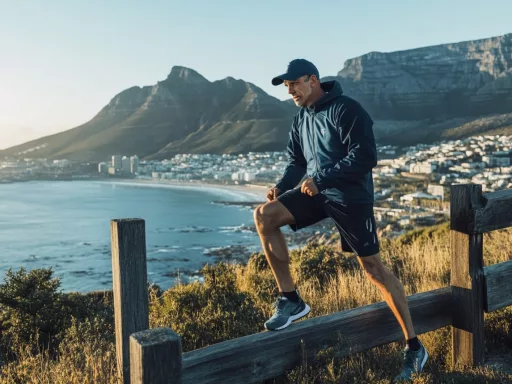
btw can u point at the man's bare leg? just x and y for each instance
(289, 307)
(269, 218)
(392, 291)
(415, 355)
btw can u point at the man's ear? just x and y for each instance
(315, 80)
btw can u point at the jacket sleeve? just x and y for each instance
(297, 165)
(356, 131)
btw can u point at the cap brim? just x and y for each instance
(278, 80)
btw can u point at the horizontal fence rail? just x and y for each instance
(495, 213)
(498, 286)
(486, 212)
(261, 356)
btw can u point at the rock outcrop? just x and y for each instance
(465, 79)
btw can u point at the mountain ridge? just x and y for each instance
(414, 95)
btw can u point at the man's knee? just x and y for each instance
(263, 218)
(270, 216)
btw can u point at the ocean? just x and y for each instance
(65, 225)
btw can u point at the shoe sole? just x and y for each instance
(304, 312)
(424, 359)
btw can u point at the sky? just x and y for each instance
(62, 61)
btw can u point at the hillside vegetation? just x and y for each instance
(51, 337)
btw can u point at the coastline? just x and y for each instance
(90, 274)
(246, 192)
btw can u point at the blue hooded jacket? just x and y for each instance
(333, 142)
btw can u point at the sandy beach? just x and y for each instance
(246, 192)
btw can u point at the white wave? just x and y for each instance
(235, 229)
(192, 228)
(213, 249)
(165, 250)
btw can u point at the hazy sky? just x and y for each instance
(62, 61)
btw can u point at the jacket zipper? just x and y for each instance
(314, 144)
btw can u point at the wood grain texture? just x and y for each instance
(129, 277)
(467, 278)
(261, 356)
(496, 212)
(465, 199)
(498, 286)
(155, 357)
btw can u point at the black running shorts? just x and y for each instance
(356, 223)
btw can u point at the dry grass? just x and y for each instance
(84, 357)
(239, 298)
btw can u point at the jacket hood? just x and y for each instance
(332, 91)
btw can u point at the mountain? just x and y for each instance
(450, 80)
(439, 91)
(183, 113)
(446, 91)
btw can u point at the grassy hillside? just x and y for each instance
(404, 133)
(68, 338)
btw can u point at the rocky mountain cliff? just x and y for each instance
(451, 80)
(419, 95)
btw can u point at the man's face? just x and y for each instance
(300, 90)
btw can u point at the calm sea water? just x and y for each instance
(66, 226)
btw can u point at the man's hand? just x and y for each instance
(273, 193)
(309, 188)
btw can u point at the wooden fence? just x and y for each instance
(154, 356)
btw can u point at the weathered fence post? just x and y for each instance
(129, 277)
(155, 357)
(467, 277)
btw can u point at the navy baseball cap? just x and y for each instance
(296, 69)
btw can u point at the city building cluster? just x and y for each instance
(484, 160)
(264, 167)
(120, 165)
(14, 169)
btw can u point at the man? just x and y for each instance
(331, 140)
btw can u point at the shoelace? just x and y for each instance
(276, 306)
(409, 360)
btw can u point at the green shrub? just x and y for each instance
(204, 314)
(30, 304)
(34, 312)
(258, 263)
(318, 264)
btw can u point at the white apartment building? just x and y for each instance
(422, 168)
(117, 162)
(103, 168)
(134, 164)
